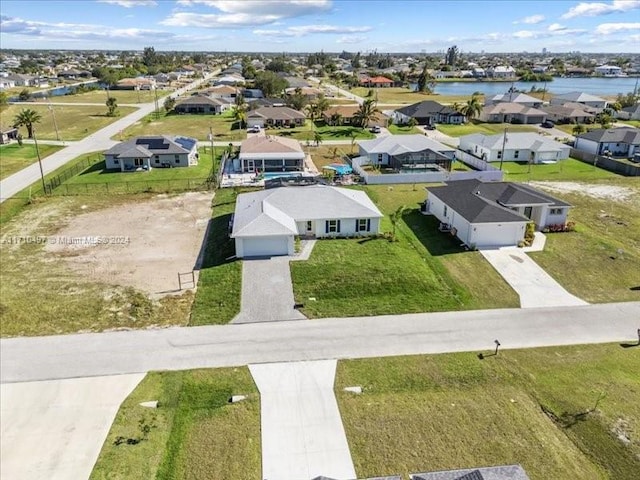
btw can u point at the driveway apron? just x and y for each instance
(535, 287)
(267, 291)
(302, 432)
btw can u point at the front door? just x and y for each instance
(250, 166)
(309, 230)
(528, 211)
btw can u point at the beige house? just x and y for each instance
(269, 153)
(511, 112)
(275, 117)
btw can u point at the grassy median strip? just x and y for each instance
(195, 433)
(426, 413)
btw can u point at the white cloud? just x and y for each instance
(303, 30)
(525, 34)
(555, 27)
(350, 39)
(585, 9)
(531, 20)
(232, 14)
(131, 3)
(609, 28)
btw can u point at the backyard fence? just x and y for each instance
(137, 186)
(611, 164)
(57, 180)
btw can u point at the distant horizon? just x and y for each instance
(306, 26)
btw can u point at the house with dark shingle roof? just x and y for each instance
(511, 112)
(202, 104)
(493, 214)
(502, 472)
(526, 147)
(275, 117)
(145, 153)
(619, 142)
(428, 112)
(629, 113)
(582, 98)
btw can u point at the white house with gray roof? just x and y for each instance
(493, 214)
(579, 97)
(397, 151)
(619, 142)
(518, 147)
(144, 153)
(516, 97)
(266, 222)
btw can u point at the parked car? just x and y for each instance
(375, 129)
(430, 127)
(547, 124)
(254, 129)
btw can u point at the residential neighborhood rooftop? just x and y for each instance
(514, 141)
(151, 145)
(269, 144)
(623, 134)
(398, 144)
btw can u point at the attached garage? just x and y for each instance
(264, 246)
(497, 235)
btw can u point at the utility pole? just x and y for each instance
(55, 124)
(213, 157)
(35, 141)
(156, 103)
(504, 140)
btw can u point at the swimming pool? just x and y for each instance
(280, 174)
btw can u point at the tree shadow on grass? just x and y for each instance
(425, 228)
(217, 247)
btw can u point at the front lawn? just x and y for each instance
(423, 271)
(427, 413)
(484, 128)
(403, 130)
(74, 122)
(14, 157)
(195, 433)
(306, 133)
(569, 169)
(400, 95)
(600, 262)
(122, 96)
(189, 125)
(633, 123)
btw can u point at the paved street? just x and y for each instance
(98, 141)
(70, 356)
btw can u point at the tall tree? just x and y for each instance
(112, 106)
(472, 108)
(452, 56)
(270, 83)
(367, 112)
(425, 81)
(240, 115)
(149, 57)
(24, 95)
(169, 104)
(27, 118)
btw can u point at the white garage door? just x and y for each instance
(265, 246)
(493, 235)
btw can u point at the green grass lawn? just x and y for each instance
(424, 271)
(218, 295)
(426, 413)
(399, 95)
(122, 96)
(14, 157)
(323, 155)
(403, 130)
(633, 123)
(190, 125)
(485, 128)
(195, 433)
(600, 262)
(327, 132)
(569, 169)
(74, 121)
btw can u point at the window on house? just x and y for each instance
(555, 211)
(499, 154)
(445, 210)
(516, 154)
(116, 161)
(379, 158)
(332, 226)
(363, 225)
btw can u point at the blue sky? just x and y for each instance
(312, 25)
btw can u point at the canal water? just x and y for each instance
(592, 85)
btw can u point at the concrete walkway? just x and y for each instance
(535, 287)
(302, 432)
(267, 291)
(54, 430)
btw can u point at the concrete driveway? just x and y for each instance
(302, 432)
(54, 430)
(267, 291)
(535, 287)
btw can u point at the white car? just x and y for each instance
(254, 129)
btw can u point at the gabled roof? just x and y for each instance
(426, 108)
(579, 97)
(398, 144)
(632, 109)
(514, 140)
(270, 146)
(515, 97)
(489, 202)
(276, 211)
(153, 145)
(503, 472)
(277, 113)
(201, 100)
(510, 108)
(566, 111)
(628, 135)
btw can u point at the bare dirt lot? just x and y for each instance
(607, 192)
(142, 245)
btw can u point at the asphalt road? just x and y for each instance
(86, 355)
(98, 141)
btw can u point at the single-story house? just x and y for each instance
(233, 79)
(399, 151)
(579, 97)
(629, 113)
(501, 71)
(619, 142)
(275, 117)
(377, 81)
(202, 104)
(516, 97)
(7, 134)
(493, 214)
(144, 153)
(140, 83)
(608, 71)
(310, 93)
(346, 115)
(266, 222)
(518, 147)
(6, 82)
(252, 93)
(270, 154)
(511, 112)
(564, 114)
(428, 112)
(223, 91)
(22, 80)
(502, 472)
(255, 103)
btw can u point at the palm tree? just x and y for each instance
(112, 106)
(317, 138)
(335, 119)
(322, 105)
(367, 112)
(472, 108)
(27, 118)
(578, 129)
(240, 115)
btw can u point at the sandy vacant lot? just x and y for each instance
(609, 192)
(143, 245)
